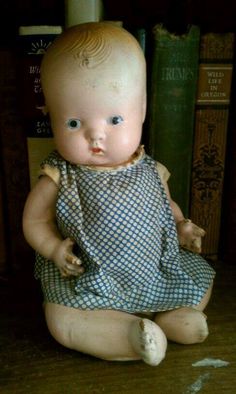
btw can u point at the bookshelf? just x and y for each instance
(210, 15)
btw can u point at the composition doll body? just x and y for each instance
(101, 217)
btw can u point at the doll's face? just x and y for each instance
(96, 111)
(95, 126)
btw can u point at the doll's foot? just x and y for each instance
(149, 341)
(184, 325)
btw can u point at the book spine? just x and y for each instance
(140, 34)
(34, 41)
(211, 124)
(14, 164)
(227, 245)
(172, 102)
(82, 11)
(3, 256)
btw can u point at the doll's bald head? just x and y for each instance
(95, 55)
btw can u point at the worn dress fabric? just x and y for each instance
(126, 238)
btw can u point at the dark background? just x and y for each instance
(211, 15)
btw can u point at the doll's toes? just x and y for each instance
(149, 341)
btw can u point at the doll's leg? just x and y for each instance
(185, 325)
(110, 335)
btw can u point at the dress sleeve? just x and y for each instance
(163, 172)
(50, 171)
(50, 167)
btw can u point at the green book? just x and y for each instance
(172, 106)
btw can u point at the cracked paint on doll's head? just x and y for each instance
(90, 51)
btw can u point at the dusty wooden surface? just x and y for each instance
(32, 362)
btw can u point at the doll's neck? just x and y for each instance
(137, 155)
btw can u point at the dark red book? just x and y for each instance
(228, 227)
(14, 163)
(3, 263)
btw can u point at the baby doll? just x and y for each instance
(117, 278)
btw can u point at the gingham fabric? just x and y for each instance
(126, 238)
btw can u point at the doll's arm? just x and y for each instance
(189, 234)
(41, 232)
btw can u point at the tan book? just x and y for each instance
(210, 136)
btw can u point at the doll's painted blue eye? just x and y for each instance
(73, 124)
(116, 120)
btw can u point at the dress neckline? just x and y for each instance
(136, 157)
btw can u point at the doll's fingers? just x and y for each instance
(71, 271)
(202, 232)
(74, 268)
(196, 245)
(198, 231)
(72, 259)
(69, 243)
(76, 261)
(64, 273)
(193, 246)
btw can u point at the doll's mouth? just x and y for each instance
(97, 151)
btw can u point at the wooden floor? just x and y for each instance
(32, 362)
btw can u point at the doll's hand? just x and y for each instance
(190, 235)
(65, 259)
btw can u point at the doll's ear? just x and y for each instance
(144, 107)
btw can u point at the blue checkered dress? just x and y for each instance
(126, 238)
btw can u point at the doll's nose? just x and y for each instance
(96, 135)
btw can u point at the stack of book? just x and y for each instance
(210, 136)
(189, 105)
